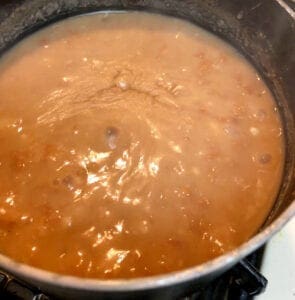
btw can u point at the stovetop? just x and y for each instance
(242, 282)
(279, 265)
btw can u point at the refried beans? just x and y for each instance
(132, 144)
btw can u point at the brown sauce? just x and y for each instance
(132, 145)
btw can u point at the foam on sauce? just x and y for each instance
(131, 145)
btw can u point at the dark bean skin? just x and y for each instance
(112, 131)
(68, 181)
(265, 158)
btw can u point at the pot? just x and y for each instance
(264, 31)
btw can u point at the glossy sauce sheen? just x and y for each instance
(131, 145)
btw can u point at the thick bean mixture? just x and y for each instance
(132, 145)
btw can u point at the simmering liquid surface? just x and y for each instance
(132, 145)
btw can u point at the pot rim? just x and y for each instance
(152, 282)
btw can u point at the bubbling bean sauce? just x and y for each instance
(132, 144)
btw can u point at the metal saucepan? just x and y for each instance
(264, 31)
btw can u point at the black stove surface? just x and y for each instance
(242, 282)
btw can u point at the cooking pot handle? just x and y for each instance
(248, 279)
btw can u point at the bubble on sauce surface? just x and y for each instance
(112, 135)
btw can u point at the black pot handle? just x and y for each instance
(248, 279)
